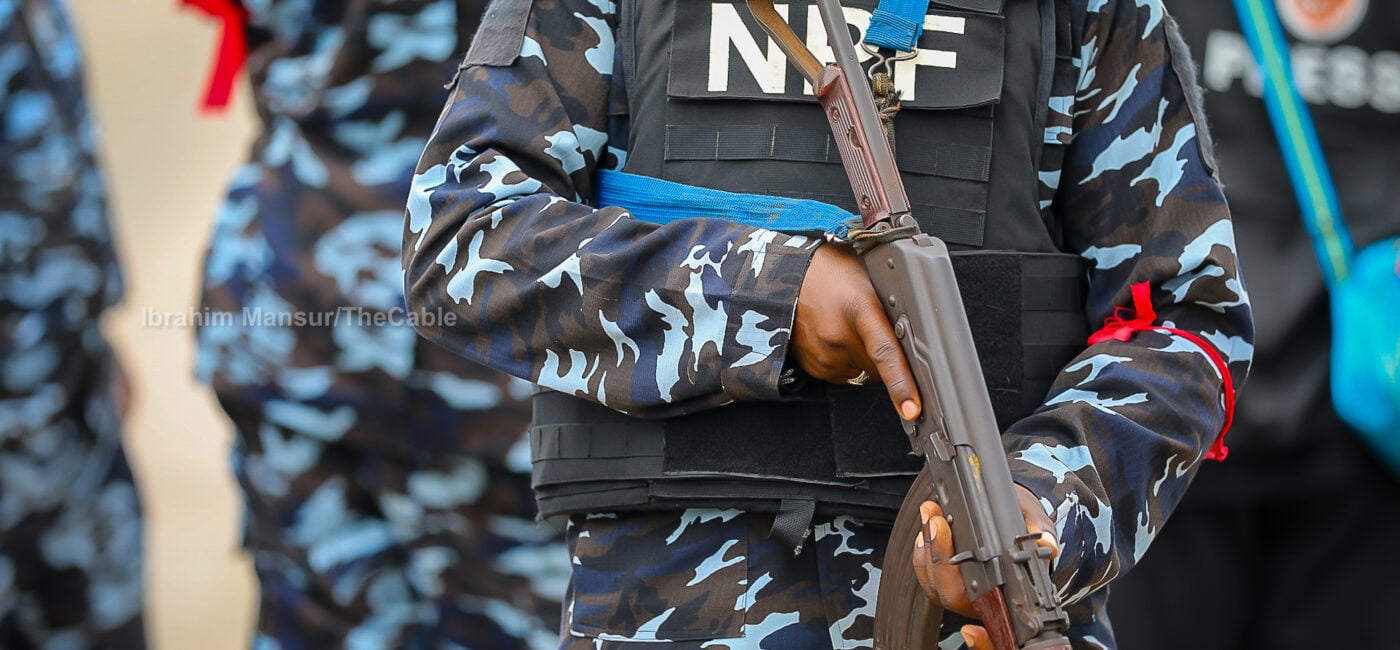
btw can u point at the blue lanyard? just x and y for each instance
(1297, 137)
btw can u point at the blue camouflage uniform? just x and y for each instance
(658, 321)
(388, 501)
(70, 520)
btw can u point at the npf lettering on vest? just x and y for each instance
(729, 35)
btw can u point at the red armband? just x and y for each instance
(1120, 327)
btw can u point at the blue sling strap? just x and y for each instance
(897, 24)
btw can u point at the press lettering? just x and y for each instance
(1343, 75)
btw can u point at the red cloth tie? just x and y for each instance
(1140, 317)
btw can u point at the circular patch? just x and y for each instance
(1322, 21)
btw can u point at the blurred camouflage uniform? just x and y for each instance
(70, 521)
(387, 504)
(660, 321)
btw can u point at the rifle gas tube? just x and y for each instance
(1006, 574)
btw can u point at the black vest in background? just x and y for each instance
(1351, 80)
(712, 103)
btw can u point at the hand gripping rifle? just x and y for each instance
(1005, 572)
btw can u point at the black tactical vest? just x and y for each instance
(713, 103)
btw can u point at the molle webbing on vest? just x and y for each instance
(795, 144)
(917, 154)
(832, 445)
(983, 6)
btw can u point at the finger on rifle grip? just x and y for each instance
(884, 351)
(1038, 520)
(923, 566)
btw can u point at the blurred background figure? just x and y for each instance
(386, 480)
(70, 521)
(1290, 542)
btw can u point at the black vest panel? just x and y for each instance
(707, 109)
(713, 103)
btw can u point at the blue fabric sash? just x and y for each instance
(658, 201)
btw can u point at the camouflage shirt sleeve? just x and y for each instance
(500, 241)
(1126, 424)
(58, 262)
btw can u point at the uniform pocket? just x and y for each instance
(659, 577)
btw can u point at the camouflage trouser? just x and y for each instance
(361, 550)
(713, 579)
(71, 577)
(70, 519)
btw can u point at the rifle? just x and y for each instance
(1005, 573)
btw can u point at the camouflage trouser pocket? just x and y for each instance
(657, 577)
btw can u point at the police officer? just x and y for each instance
(1236, 569)
(386, 501)
(70, 520)
(696, 427)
